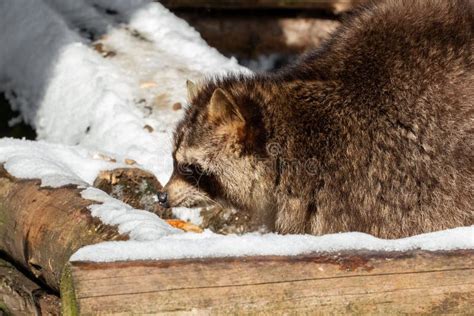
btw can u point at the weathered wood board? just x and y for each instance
(241, 35)
(332, 5)
(343, 283)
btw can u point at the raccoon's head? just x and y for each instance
(217, 150)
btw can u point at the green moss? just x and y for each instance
(5, 264)
(69, 305)
(4, 309)
(2, 215)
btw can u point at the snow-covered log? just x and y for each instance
(136, 187)
(354, 282)
(40, 228)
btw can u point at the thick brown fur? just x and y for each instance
(374, 132)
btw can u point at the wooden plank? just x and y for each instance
(350, 282)
(331, 5)
(242, 36)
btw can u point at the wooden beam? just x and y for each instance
(242, 35)
(133, 186)
(343, 283)
(336, 6)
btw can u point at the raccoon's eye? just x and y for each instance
(184, 169)
(190, 169)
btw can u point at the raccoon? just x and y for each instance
(373, 132)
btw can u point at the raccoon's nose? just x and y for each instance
(163, 198)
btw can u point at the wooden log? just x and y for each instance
(40, 228)
(136, 187)
(241, 35)
(336, 6)
(344, 283)
(21, 296)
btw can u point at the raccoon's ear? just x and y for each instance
(223, 107)
(192, 89)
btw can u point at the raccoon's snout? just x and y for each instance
(163, 199)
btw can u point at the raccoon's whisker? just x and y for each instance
(207, 199)
(199, 179)
(178, 201)
(202, 196)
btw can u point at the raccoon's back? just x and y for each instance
(394, 54)
(399, 159)
(395, 45)
(396, 63)
(406, 69)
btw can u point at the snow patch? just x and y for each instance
(208, 244)
(139, 225)
(188, 214)
(55, 165)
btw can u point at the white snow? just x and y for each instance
(139, 225)
(85, 107)
(54, 164)
(188, 214)
(209, 244)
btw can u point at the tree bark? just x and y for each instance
(135, 187)
(21, 296)
(40, 228)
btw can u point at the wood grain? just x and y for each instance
(241, 34)
(351, 282)
(336, 6)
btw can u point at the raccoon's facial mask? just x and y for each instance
(192, 185)
(201, 152)
(185, 188)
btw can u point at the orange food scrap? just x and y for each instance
(186, 226)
